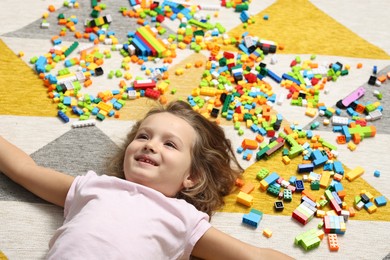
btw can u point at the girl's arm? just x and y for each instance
(215, 244)
(46, 183)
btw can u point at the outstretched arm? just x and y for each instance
(215, 244)
(46, 183)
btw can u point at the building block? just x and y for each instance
(334, 224)
(299, 185)
(278, 205)
(248, 188)
(354, 173)
(84, 123)
(262, 174)
(305, 167)
(380, 201)
(309, 239)
(267, 232)
(63, 116)
(270, 179)
(253, 218)
(245, 199)
(370, 207)
(303, 213)
(333, 242)
(287, 195)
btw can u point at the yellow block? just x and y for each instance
(355, 173)
(325, 176)
(245, 199)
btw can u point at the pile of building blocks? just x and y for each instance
(316, 155)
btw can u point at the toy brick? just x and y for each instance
(253, 218)
(244, 199)
(278, 205)
(267, 232)
(333, 242)
(380, 201)
(354, 173)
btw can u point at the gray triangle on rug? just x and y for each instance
(75, 152)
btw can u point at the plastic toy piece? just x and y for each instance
(144, 84)
(63, 117)
(348, 100)
(84, 123)
(249, 144)
(339, 120)
(253, 218)
(310, 239)
(305, 167)
(270, 179)
(278, 205)
(333, 242)
(380, 201)
(267, 232)
(334, 225)
(248, 188)
(299, 185)
(304, 213)
(355, 173)
(245, 199)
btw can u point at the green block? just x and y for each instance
(262, 174)
(273, 190)
(287, 195)
(315, 185)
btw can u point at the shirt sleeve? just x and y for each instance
(198, 231)
(77, 182)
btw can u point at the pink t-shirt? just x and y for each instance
(110, 218)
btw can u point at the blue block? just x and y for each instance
(288, 77)
(63, 117)
(299, 185)
(338, 186)
(292, 180)
(67, 101)
(273, 76)
(338, 167)
(253, 218)
(272, 178)
(305, 167)
(380, 201)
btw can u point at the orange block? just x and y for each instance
(248, 188)
(309, 195)
(342, 194)
(341, 139)
(239, 182)
(333, 242)
(249, 144)
(381, 78)
(51, 8)
(163, 100)
(360, 108)
(356, 138)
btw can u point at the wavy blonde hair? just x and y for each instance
(214, 166)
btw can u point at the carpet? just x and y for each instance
(348, 33)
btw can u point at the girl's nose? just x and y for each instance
(150, 146)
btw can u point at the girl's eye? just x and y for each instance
(171, 144)
(142, 136)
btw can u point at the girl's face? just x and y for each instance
(160, 155)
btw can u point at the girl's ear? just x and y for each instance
(189, 182)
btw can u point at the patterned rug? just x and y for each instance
(310, 31)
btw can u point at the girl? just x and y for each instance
(174, 170)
